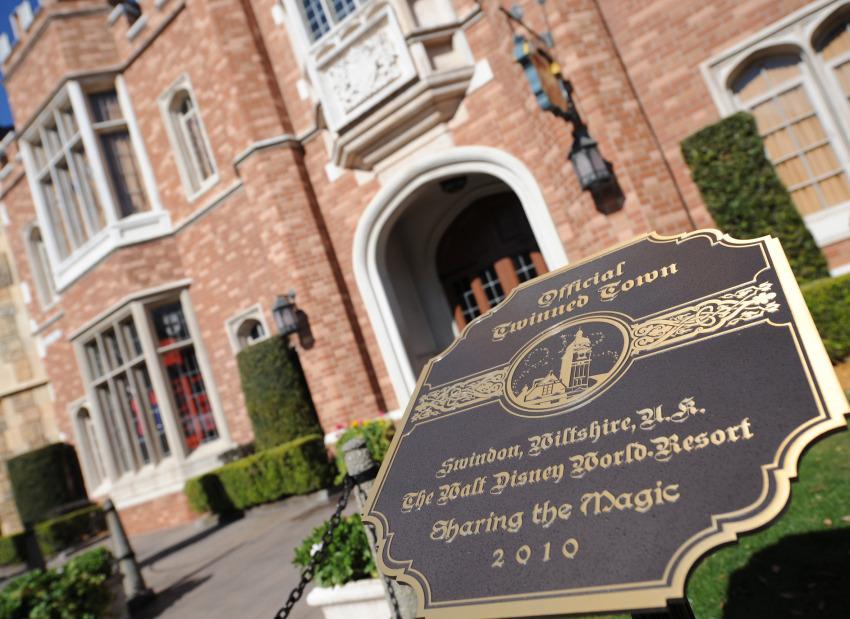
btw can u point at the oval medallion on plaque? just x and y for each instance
(566, 365)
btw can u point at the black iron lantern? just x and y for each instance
(286, 314)
(591, 168)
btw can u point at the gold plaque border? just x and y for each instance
(832, 406)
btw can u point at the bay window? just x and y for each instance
(62, 174)
(90, 179)
(111, 129)
(146, 389)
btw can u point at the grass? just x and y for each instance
(799, 566)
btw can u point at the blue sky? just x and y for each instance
(6, 8)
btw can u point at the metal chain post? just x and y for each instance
(318, 556)
(363, 468)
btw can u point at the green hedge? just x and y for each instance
(829, 302)
(744, 194)
(76, 590)
(276, 396)
(297, 467)
(56, 534)
(12, 549)
(46, 480)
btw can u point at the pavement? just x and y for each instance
(238, 570)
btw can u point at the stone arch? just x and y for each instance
(405, 190)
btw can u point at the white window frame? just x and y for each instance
(164, 473)
(796, 32)
(232, 324)
(116, 232)
(40, 268)
(187, 168)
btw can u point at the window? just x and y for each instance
(121, 377)
(40, 265)
(321, 15)
(111, 129)
(188, 138)
(775, 91)
(93, 456)
(174, 345)
(64, 180)
(250, 332)
(80, 155)
(486, 252)
(246, 328)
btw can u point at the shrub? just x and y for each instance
(296, 467)
(829, 302)
(378, 434)
(348, 558)
(743, 193)
(57, 534)
(46, 480)
(75, 591)
(12, 549)
(276, 396)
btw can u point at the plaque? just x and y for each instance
(581, 446)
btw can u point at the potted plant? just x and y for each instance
(347, 586)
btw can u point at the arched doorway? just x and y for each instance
(487, 251)
(410, 255)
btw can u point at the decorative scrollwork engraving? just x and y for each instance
(728, 310)
(702, 319)
(461, 394)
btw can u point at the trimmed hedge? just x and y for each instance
(45, 480)
(743, 193)
(57, 534)
(276, 396)
(12, 549)
(76, 590)
(829, 302)
(297, 467)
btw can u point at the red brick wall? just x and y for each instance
(163, 512)
(663, 43)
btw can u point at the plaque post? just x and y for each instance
(363, 468)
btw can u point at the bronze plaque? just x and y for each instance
(578, 448)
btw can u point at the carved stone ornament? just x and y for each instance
(362, 65)
(364, 69)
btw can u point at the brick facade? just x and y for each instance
(280, 217)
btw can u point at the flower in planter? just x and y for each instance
(348, 558)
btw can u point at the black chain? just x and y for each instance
(319, 555)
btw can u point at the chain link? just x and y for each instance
(318, 556)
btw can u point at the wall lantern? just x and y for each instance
(285, 314)
(554, 94)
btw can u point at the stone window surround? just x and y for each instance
(117, 232)
(796, 33)
(232, 324)
(42, 275)
(184, 84)
(170, 473)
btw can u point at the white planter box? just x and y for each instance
(361, 599)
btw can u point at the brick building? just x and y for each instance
(174, 171)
